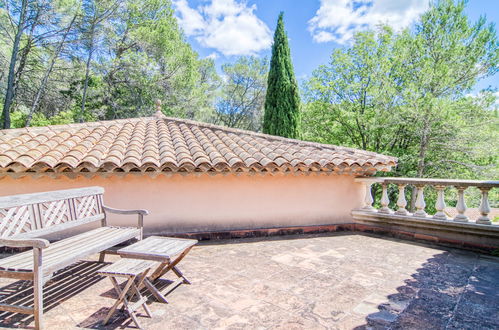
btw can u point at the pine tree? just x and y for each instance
(282, 102)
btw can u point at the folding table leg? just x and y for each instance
(155, 292)
(124, 295)
(129, 308)
(158, 273)
(179, 274)
(121, 296)
(135, 287)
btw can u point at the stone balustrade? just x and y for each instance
(395, 217)
(420, 184)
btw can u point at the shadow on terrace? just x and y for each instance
(452, 290)
(67, 283)
(346, 281)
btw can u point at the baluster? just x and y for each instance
(368, 200)
(420, 203)
(401, 201)
(461, 205)
(384, 199)
(484, 207)
(440, 204)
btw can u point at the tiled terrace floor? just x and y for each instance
(297, 282)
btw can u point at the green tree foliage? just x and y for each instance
(27, 28)
(151, 60)
(406, 95)
(282, 102)
(242, 95)
(355, 99)
(97, 60)
(444, 59)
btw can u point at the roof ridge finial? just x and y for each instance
(159, 113)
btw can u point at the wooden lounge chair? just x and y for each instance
(25, 218)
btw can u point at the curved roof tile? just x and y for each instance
(165, 144)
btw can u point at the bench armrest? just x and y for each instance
(118, 211)
(33, 242)
(140, 213)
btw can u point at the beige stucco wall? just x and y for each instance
(186, 203)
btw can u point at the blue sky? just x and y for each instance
(225, 29)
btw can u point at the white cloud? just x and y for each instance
(191, 21)
(339, 20)
(213, 56)
(229, 26)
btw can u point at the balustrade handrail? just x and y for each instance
(432, 182)
(419, 184)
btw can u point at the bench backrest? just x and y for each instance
(38, 214)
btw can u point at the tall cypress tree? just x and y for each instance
(282, 102)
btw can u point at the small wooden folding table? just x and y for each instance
(134, 271)
(168, 251)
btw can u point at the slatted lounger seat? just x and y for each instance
(25, 218)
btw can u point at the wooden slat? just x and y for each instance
(49, 196)
(17, 309)
(12, 219)
(72, 249)
(77, 246)
(22, 258)
(60, 227)
(120, 211)
(17, 275)
(17, 258)
(127, 267)
(38, 287)
(156, 248)
(72, 208)
(61, 252)
(60, 258)
(38, 217)
(30, 242)
(6, 216)
(33, 216)
(155, 292)
(21, 216)
(93, 249)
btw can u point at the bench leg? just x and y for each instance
(38, 288)
(102, 256)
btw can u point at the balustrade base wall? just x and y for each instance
(447, 232)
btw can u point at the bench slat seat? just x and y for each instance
(63, 253)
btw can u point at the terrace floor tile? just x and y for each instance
(327, 281)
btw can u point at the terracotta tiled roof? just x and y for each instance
(161, 144)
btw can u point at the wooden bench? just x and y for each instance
(24, 219)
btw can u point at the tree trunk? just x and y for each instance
(87, 73)
(9, 94)
(46, 76)
(423, 147)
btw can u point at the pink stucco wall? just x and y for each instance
(185, 203)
